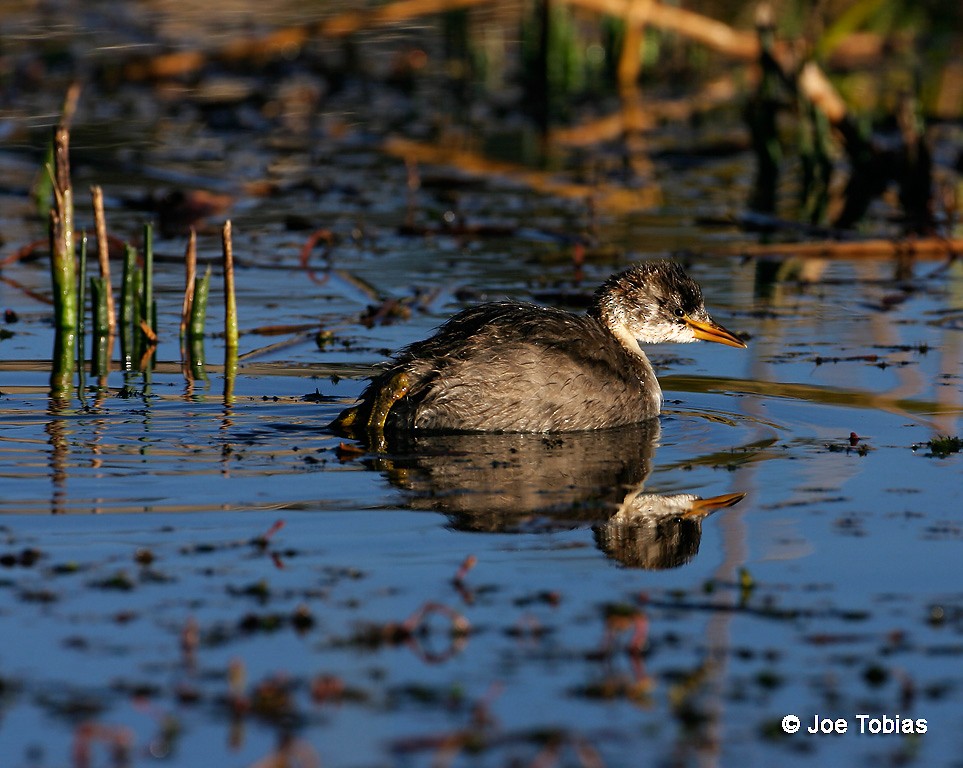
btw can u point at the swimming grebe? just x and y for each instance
(515, 367)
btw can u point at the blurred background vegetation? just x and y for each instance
(594, 87)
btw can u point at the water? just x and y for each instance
(163, 610)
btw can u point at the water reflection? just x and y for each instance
(537, 482)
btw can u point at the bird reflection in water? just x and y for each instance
(517, 482)
(562, 410)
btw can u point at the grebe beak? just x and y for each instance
(712, 331)
(705, 507)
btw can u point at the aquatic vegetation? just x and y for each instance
(190, 567)
(943, 446)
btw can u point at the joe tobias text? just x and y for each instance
(868, 724)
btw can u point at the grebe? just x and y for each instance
(516, 367)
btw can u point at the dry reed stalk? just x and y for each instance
(190, 277)
(282, 42)
(148, 332)
(103, 256)
(608, 196)
(702, 29)
(924, 249)
(816, 86)
(630, 63)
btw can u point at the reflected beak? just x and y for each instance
(713, 332)
(705, 507)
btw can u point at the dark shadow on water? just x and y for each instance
(536, 482)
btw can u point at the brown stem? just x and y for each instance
(190, 269)
(103, 256)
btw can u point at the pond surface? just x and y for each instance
(225, 583)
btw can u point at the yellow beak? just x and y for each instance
(705, 507)
(714, 332)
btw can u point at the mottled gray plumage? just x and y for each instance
(515, 367)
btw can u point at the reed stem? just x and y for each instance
(190, 277)
(140, 341)
(82, 299)
(230, 302)
(81, 318)
(193, 363)
(103, 256)
(63, 263)
(202, 287)
(148, 312)
(102, 337)
(63, 260)
(128, 302)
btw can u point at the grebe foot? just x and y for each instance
(397, 387)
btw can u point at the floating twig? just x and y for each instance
(608, 196)
(261, 541)
(117, 738)
(923, 249)
(278, 345)
(305, 257)
(467, 564)
(148, 333)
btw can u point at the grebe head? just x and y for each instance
(654, 302)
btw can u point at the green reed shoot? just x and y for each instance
(82, 298)
(230, 316)
(43, 189)
(140, 342)
(63, 267)
(81, 317)
(99, 291)
(63, 260)
(230, 302)
(148, 308)
(202, 289)
(128, 303)
(195, 326)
